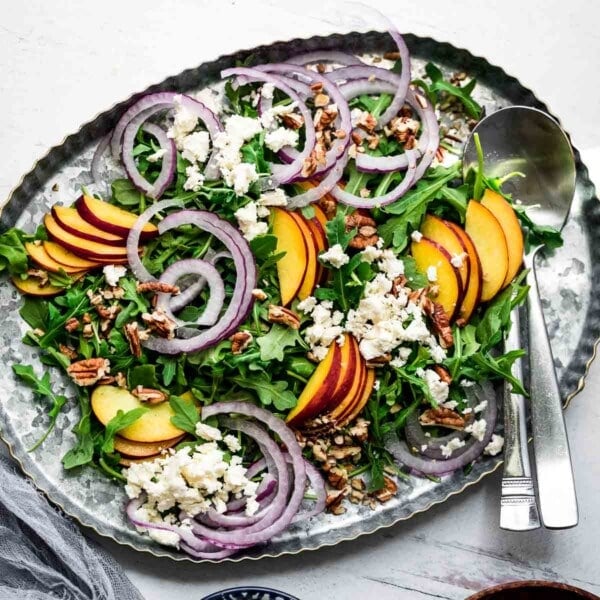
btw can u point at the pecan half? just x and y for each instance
(292, 120)
(133, 337)
(309, 166)
(72, 324)
(149, 395)
(68, 351)
(442, 416)
(159, 323)
(284, 316)
(157, 287)
(344, 452)
(387, 492)
(240, 341)
(333, 502)
(88, 371)
(366, 230)
(443, 373)
(441, 324)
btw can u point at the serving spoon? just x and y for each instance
(527, 140)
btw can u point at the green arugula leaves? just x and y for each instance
(13, 256)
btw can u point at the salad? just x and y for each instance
(290, 300)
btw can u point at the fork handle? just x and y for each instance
(518, 507)
(556, 485)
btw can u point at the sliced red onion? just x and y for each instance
(345, 197)
(402, 454)
(133, 239)
(318, 485)
(265, 491)
(168, 164)
(97, 159)
(281, 174)
(324, 56)
(194, 266)
(257, 533)
(217, 554)
(241, 300)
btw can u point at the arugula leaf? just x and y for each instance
(269, 392)
(414, 278)
(13, 256)
(42, 388)
(125, 194)
(120, 421)
(263, 246)
(186, 415)
(83, 452)
(35, 312)
(272, 344)
(336, 230)
(144, 375)
(253, 152)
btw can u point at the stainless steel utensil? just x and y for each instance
(519, 138)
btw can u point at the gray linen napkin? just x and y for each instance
(44, 556)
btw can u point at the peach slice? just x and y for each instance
(82, 247)
(32, 287)
(110, 218)
(292, 266)
(319, 388)
(472, 294)
(310, 274)
(438, 231)
(44, 260)
(490, 242)
(509, 222)
(153, 426)
(70, 220)
(348, 367)
(429, 254)
(362, 401)
(143, 449)
(61, 255)
(320, 239)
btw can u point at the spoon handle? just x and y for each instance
(556, 486)
(518, 507)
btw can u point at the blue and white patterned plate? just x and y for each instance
(250, 593)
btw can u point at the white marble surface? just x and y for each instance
(64, 61)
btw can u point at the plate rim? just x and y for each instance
(448, 47)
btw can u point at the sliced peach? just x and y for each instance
(436, 230)
(153, 426)
(513, 233)
(32, 287)
(472, 294)
(110, 218)
(70, 220)
(292, 266)
(39, 255)
(348, 367)
(319, 388)
(490, 242)
(82, 247)
(61, 255)
(362, 401)
(430, 255)
(310, 274)
(321, 243)
(143, 449)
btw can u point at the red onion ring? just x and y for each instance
(265, 491)
(133, 239)
(241, 300)
(399, 450)
(318, 485)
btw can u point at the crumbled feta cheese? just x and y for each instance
(495, 446)
(195, 147)
(273, 198)
(451, 446)
(477, 429)
(241, 177)
(439, 389)
(242, 128)
(232, 442)
(356, 115)
(371, 254)
(280, 138)
(376, 384)
(194, 180)
(481, 406)
(423, 447)
(390, 265)
(208, 433)
(335, 256)
(450, 404)
(432, 274)
(112, 274)
(156, 156)
(267, 90)
(307, 305)
(457, 260)
(467, 411)
(326, 327)
(378, 61)
(184, 122)
(416, 236)
(248, 222)
(210, 99)
(164, 537)
(270, 116)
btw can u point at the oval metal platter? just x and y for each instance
(569, 281)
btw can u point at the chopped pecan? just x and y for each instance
(337, 478)
(292, 120)
(387, 492)
(321, 68)
(404, 129)
(88, 371)
(379, 361)
(359, 430)
(344, 452)
(108, 312)
(87, 318)
(133, 337)
(324, 117)
(321, 100)
(159, 323)
(320, 153)
(40, 275)
(68, 351)
(340, 134)
(442, 416)
(259, 295)
(398, 283)
(72, 324)
(88, 331)
(284, 316)
(157, 287)
(356, 496)
(149, 395)
(373, 141)
(316, 87)
(320, 451)
(309, 166)
(441, 324)
(367, 122)
(334, 501)
(443, 373)
(358, 484)
(121, 380)
(366, 230)
(95, 299)
(240, 341)
(328, 205)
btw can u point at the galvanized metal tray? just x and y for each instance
(569, 282)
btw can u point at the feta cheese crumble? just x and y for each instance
(195, 147)
(211, 99)
(439, 389)
(416, 236)
(477, 429)
(273, 198)
(432, 274)
(112, 274)
(326, 327)
(451, 446)
(335, 256)
(495, 446)
(194, 180)
(248, 222)
(208, 433)
(156, 156)
(457, 260)
(280, 138)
